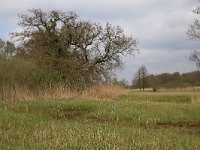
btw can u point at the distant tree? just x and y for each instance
(75, 49)
(194, 34)
(7, 49)
(114, 80)
(153, 81)
(123, 82)
(136, 82)
(174, 80)
(191, 78)
(144, 74)
(2, 43)
(140, 78)
(195, 56)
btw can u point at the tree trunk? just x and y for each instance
(140, 80)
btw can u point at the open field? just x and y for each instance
(137, 120)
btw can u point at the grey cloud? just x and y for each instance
(160, 26)
(164, 29)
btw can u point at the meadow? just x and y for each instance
(135, 120)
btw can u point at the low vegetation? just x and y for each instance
(136, 120)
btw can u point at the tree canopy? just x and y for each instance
(73, 47)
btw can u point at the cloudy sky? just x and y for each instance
(159, 25)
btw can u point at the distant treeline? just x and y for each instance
(171, 80)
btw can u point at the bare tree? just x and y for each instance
(194, 34)
(154, 82)
(123, 82)
(140, 78)
(66, 44)
(144, 74)
(195, 56)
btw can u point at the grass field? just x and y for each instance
(137, 120)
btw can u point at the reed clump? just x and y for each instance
(104, 91)
(60, 91)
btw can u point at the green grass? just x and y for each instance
(139, 120)
(169, 97)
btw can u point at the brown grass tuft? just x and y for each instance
(96, 92)
(104, 91)
(196, 98)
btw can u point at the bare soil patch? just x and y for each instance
(71, 113)
(179, 125)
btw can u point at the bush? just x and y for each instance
(20, 72)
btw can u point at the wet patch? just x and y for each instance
(179, 125)
(186, 127)
(71, 113)
(112, 121)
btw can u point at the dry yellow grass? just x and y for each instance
(196, 98)
(104, 91)
(96, 92)
(18, 93)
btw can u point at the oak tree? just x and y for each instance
(73, 47)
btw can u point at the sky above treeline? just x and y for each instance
(159, 25)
